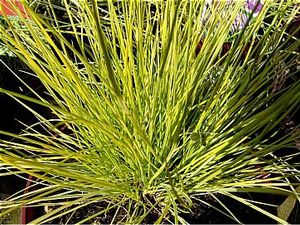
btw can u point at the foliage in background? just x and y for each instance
(7, 57)
(4, 50)
(152, 126)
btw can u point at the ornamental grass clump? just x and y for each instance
(151, 125)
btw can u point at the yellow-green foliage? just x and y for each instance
(149, 117)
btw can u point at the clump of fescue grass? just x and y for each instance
(149, 117)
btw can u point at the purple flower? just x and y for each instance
(251, 4)
(243, 15)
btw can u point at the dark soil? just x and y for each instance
(200, 213)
